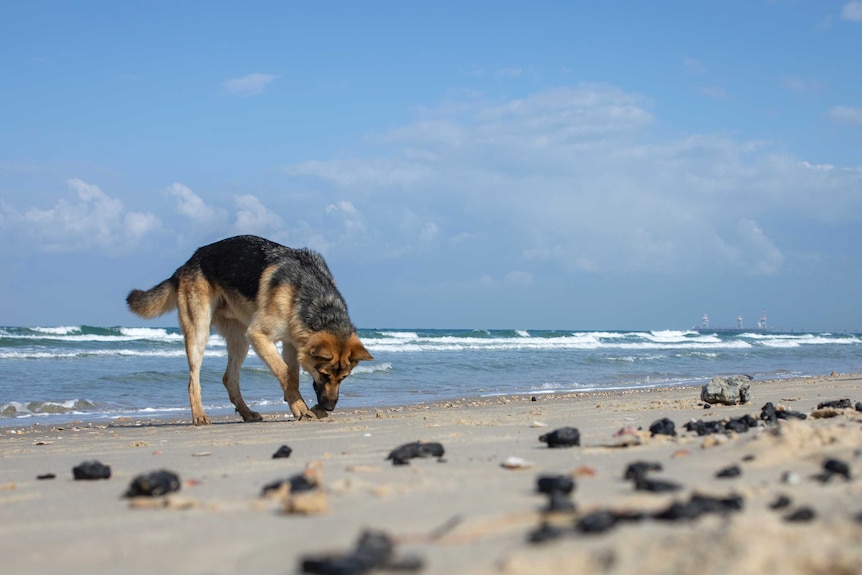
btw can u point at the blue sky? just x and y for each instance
(573, 165)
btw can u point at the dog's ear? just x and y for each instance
(321, 347)
(357, 351)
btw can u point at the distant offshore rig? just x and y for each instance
(740, 328)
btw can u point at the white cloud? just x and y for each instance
(250, 85)
(852, 11)
(253, 217)
(576, 177)
(846, 115)
(429, 232)
(140, 224)
(93, 221)
(758, 252)
(192, 206)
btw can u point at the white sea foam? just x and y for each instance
(33, 354)
(577, 341)
(400, 334)
(32, 408)
(150, 333)
(372, 368)
(58, 330)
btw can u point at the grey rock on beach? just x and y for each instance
(727, 390)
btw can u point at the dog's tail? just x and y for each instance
(154, 302)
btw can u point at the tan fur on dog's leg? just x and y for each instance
(194, 314)
(266, 350)
(291, 390)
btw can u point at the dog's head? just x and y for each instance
(329, 359)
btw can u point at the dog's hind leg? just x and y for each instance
(237, 350)
(195, 314)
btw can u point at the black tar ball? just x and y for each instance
(663, 426)
(562, 437)
(283, 451)
(402, 454)
(91, 470)
(154, 484)
(555, 483)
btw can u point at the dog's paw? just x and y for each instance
(201, 420)
(251, 416)
(299, 409)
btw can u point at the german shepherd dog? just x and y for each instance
(256, 291)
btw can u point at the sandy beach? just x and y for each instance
(464, 513)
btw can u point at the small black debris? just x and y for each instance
(641, 468)
(46, 476)
(298, 484)
(707, 406)
(597, 522)
(859, 406)
(729, 472)
(740, 424)
(374, 550)
(699, 505)
(403, 453)
(663, 426)
(736, 425)
(836, 467)
(704, 427)
(91, 470)
(801, 515)
(655, 485)
(858, 517)
(781, 502)
(154, 484)
(533, 398)
(559, 502)
(282, 452)
(769, 414)
(564, 484)
(835, 404)
(562, 437)
(790, 414)
(545, 532)
(749, 457)
(631, 516)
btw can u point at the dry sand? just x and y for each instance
(466, 514)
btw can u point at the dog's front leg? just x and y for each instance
(292, 389)
(286, 373)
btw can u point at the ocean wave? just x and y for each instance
(365, 369)
(16, 409)
(48, 355)
(58, 330)
(579, 342)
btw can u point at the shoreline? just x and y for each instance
(283, 414)
(467, 514)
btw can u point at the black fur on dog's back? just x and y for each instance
(237, 264)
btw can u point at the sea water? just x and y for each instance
(65, 373)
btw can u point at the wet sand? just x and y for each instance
(465, 514)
